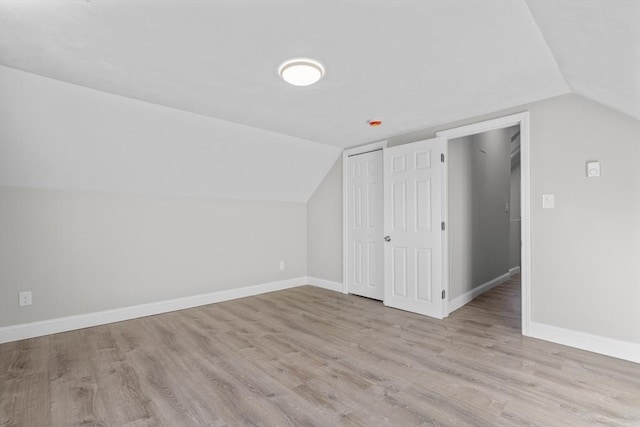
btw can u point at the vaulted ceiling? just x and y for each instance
(596, 44)
(412, 64)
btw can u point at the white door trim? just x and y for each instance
(521, 119)
(381, 145)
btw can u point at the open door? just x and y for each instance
(413, 180)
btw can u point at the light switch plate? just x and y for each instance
(548, 201)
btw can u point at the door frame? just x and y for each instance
(521, 119)
(361, 149)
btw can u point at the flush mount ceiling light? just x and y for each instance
(301, 72)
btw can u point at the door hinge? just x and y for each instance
(442, 225)
(443, 294)
(442, 157)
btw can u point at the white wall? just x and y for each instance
(586, 252)
(324, 227)
(108, 202)
(82, 252)
(479, 179)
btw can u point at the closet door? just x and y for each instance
(365, 258)
(413, 179)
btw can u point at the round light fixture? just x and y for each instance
(301, 72)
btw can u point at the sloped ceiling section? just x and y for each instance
(137, 70)
(412, 64)
(58, 135)
(597, 47)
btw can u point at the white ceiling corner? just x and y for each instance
(597, 46)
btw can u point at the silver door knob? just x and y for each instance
(387, 238)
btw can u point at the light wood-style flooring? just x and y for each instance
(308, 356)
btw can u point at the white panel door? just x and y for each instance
(365, 258)
(414, 238)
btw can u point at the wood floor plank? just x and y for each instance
(308, 356)
(24, 375)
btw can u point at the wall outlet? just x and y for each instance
(25, 298)
(281, 265)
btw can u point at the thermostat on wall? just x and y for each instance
(593, 169)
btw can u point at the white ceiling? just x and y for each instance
(58, 135)
(412, 64)
(597, 46)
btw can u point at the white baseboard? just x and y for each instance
(514, 270)
(597, 344)
(70, 323)
(463, 299)
(326, 284)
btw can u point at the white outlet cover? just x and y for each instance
(548, 201)
(25, 298)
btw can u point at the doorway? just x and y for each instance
(480, 207)
(521, 121)
(520, 124)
